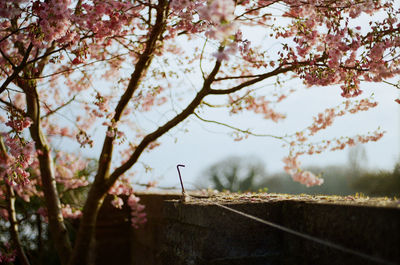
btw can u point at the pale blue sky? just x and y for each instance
(205, 144)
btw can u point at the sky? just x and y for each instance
(204, 144)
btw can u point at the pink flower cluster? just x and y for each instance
(84, 139)
(8, 8)
(7, 254)
(330, 38)
(102, 103)
(300, 145)
(117, 202)
(217, 11)
(15, 164)
(68, 167)
(231, 49)
(151, 98)
(30, 189)
(340, 144)
(112, 130)
(54, 23)
(326, 118)
(3, 212)
(66, 210)
(43, 213)
(219, 14)
(185, 11)
(122, 187)
(106, 19)
(19, 123)
(292, 167)
(258, 105)
(138, 217)
(69, 212)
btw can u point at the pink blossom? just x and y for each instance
(138, 217)
(292, 167)
(307, 178)
(19, 123)
(7, 254)
(84, 139)
(4, 214)
(69, 212)
(77, 60)
(17, 162)
(117, 202)
(42, 212)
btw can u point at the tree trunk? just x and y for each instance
(83, 244)
(56, 221)
(84, 241)
(16, 243)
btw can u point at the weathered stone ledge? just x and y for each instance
(200, 232)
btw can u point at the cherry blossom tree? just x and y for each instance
(70, 67)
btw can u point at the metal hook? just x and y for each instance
(180, 178)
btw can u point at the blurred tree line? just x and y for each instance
(249, 174)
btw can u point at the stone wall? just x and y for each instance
(201, 232)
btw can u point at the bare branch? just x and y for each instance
(236, 77)
(8, 59)
(255, 9)
(238, 129)
(14, 226)
(201, 60)
(258, 78)
(140, 69)
(58, 108)
(392, 84)
(75, 68)
(44, 59)
(12, 106)
(11, 33)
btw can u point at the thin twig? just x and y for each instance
(241, 130)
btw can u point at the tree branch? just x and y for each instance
(56, 220)
(17, 70)
(166, 127)
(140, 70)
(99, 188)
(58, 108)
(14, 226)
(12, 214)
(11, 33)
(255, 9)
(8, 59)
(238, 129)
(73, 69)
(11, 106)
(258, 78)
